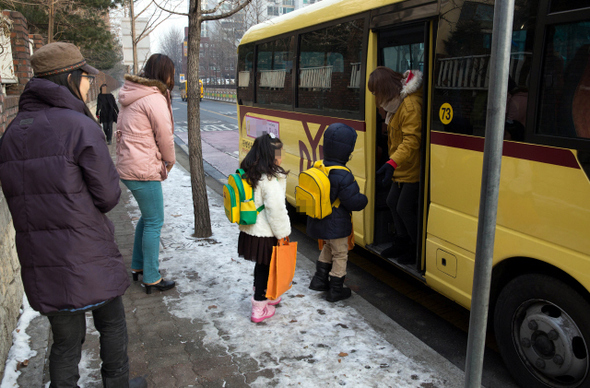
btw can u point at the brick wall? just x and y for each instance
(20, 52)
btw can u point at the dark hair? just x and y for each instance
(261, 159)
(161, 68)
(102, 86)
(385, 84)
(71, 80)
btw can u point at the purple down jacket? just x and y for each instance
(59, 181)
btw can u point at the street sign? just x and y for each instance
(181, 76)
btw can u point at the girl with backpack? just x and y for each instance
(268, 179)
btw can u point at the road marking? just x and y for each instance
(208, 128)
(219, 127)
(221, 114)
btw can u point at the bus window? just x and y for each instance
(274, 67)
(568, 5)
(565, 81)
(245, 76)
(402, 50)
(461, 68)
(330, 70)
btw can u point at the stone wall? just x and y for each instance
(11, 287)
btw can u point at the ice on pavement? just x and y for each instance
(20, 351)
(309, 341)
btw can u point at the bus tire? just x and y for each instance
(542, 327)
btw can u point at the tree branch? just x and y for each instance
(169, 11)
(227, 14)
(210, 11)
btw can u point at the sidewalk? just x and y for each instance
(200, 335)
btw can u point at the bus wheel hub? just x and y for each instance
(551, 342)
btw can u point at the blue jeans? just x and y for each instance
(146, 248)
(69, 332)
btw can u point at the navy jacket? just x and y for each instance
(339, 141)
(59, 181)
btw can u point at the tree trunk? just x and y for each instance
(200, 200)
(133, 41)
(50, 32)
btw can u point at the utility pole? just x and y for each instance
(490, 188)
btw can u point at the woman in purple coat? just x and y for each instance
(59, 181)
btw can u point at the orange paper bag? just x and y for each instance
(282, 268)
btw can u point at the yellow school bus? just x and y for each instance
(303, 71)
(183, 90)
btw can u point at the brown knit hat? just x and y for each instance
(59, 57)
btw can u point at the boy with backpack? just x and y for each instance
(334, 229)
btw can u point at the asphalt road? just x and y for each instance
(434, 319)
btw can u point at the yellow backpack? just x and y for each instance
(238, 200)
(312, 194)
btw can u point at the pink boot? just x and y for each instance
(272, 302)
(261, 310)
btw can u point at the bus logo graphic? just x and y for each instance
(304, 152)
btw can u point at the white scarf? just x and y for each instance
(391, 107)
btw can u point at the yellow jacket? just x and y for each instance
(405, 133)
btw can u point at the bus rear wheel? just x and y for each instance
(542, 326)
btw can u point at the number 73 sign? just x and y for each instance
(446, 113)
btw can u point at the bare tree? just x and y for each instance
(155, 17)
(256, 12)
(223, 45)
(196, 16)
(171, 45)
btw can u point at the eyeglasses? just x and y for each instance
(90, 78)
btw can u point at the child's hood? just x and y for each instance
(339, 141)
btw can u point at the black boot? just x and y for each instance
(138, 382)
(319, 282)
(399, 247)
(337, 290)
(409, 257)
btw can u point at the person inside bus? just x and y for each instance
(335, 229)
(400, 95)
(516, 103)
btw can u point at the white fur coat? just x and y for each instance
(273, 220)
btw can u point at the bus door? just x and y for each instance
(400, 49)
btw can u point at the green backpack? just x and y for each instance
(238, 200)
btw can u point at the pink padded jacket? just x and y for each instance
(145, 130)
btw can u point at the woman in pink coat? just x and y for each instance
(145, 155)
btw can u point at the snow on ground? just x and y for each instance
(20, 350)
(309, 341)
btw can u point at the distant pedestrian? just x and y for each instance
(106, 111)
(59, 181)
(335, 229)
(145, 155)
(262, 166)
